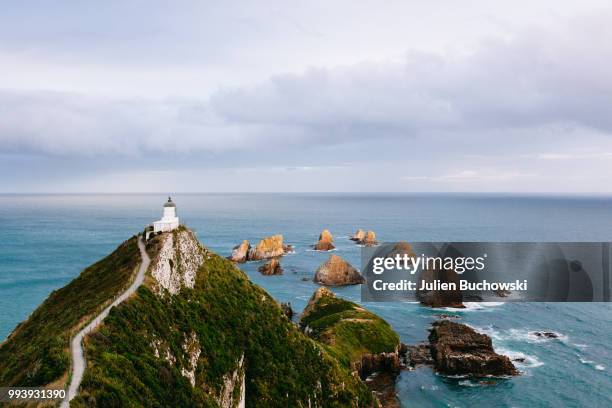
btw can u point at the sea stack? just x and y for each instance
(458, 349)
(269, 247)
(338, 272)
(325, 242)
(272, 267)
(358, 236)
(370, 239)
(240, 252)
(364, 238)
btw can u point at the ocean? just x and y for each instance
(48, 239)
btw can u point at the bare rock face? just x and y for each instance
(272, 267)
(438, 297)
(358, 236)
(269, 247)
(177, 262)
(240, 252)
(458, 349)
(336, 272)
(325, 242)
(416, 355)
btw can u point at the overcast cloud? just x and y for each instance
(340, 96)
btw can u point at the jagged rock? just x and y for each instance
(325, 242)
(177, 262)
(365, 238)
(240, 252)
(370, 239)
(358, 236)
(374, 363)
(416, 355)
(336, 272)
(458, 349)
(272, 267)
(440, 298)
(269, 247)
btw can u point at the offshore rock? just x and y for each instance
(325, 242)
(240, 252)
(337, 272)
(369, 239)
(269, 247)
(358, 236)
(458, 349)
(272, 267)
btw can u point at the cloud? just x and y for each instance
(529, 110)
(540, 77)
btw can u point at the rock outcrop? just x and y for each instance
(364, 238)
(358, 236)
(269, 247)
(272, 267)
(325, 242)
(370, 239)
(240, 252)
(417, 355)
(179, 257)
(458, 349)
(437, 297)
(337, 272)
(545, 334)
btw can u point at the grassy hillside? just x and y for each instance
(37, 352)
(139, 355)
(347, 330)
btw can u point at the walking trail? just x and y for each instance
(76, 346)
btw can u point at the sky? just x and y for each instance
(317, 96)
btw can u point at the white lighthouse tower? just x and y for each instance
(169, 220)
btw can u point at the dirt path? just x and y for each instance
(76, 346)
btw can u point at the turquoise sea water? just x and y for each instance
(48, 239)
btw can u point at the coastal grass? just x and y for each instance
(37, 352)
(348, 330)
(137, 357)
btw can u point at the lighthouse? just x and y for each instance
(169, 220)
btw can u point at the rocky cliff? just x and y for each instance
(197, 333)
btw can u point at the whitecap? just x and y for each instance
(471, 307)
(521, 359)
(469, 383)
(596, 366)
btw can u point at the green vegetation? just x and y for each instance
(150, 348)
(231, 318)
(347, 330)
(37, 352)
